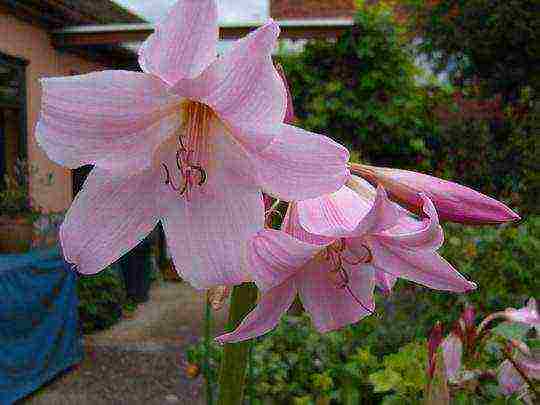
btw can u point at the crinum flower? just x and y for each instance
(330, 250)
(191, 142)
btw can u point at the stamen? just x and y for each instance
(339, 275)
(193, 148)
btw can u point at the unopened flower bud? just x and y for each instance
(454, 202)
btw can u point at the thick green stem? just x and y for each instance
(206, 365)
(232, 375)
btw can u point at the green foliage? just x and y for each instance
(497, 41)
(296, 364)
(494, 152)
(101, 298)
(403, 374)
(362, 92)
(15, 200)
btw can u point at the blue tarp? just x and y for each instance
(39, 331)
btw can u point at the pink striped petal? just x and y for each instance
(113, 119)
(291, 225)
(331, 307)
(383, 215)
(108, 218)
(208, 234)
(245, 89)
(265, 316)
(384, 280)
(410, 233)
(299, 165)
(335, 215)
(184, 42)
(274, 257)
(454, 202)
(422, 267)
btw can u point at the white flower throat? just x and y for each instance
(192, 155)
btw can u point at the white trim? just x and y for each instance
(93, 29)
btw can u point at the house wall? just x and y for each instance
(22, 40)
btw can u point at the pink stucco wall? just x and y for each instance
(20, 39)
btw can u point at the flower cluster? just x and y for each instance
(462, 350)
(194, 140)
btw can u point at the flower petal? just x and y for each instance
(299, 165)
(244, 88)
(113, 119)
(422, 267)
(384, 281)
(509, 378)
(275, 256)
(208, 234)
(331, 307)
(108, 218)
(184, 42)
(207, 238)
(528, 315)
(383, 215)
(410, 233)
(265, 316)
(334, 215)
(291, 225)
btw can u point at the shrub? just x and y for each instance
(362, 91)
(496, 41)
(489, 147)
(101, 298)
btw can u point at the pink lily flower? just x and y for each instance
(527, 315)
(511, 380)
(452, 350)
(399, 245)
(332, 263)
(454, 202)
(191, 142)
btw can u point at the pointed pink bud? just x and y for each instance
(528, 315)
(468, 316)
(454, 202)
(290, 118)
(467, 319)
(452, 349)
(434, 341)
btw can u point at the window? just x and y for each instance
(13, 125)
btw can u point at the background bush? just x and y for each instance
(362, 91)
(382, 359)
(101, 298)
(368, 92)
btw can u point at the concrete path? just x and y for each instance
(141, 359)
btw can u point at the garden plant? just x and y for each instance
(193, 141)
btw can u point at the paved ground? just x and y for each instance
(140, 360)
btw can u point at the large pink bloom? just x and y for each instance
(333, 264)
(192, 141)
